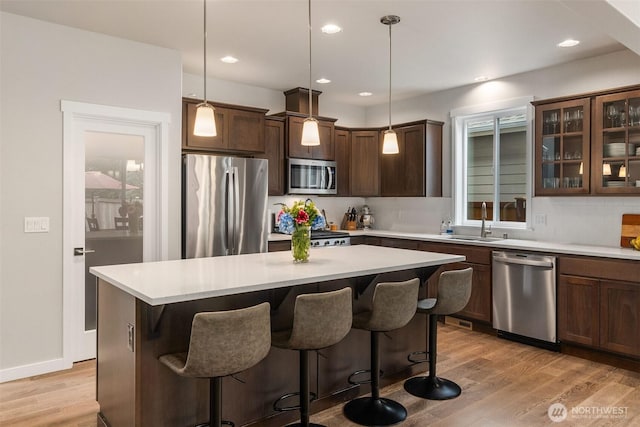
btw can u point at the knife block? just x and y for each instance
(345, 224)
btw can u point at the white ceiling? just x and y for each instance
(437, 45)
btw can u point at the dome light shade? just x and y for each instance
(205, 124)
(310, 132)
(390, 143)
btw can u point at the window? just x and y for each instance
(492, 165)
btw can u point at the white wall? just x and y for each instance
(43, 64)
(586, 220)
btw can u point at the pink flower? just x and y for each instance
(302, 217)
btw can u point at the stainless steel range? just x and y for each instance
(325, 239)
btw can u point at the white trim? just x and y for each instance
(25, 371)
(505, 104)
(155, 127)
(459, 157)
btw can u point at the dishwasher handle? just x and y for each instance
(524, 261)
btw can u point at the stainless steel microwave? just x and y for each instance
(312, 177)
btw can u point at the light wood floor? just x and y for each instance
(504, 384)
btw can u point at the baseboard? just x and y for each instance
(25, 371)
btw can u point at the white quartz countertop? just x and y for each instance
(514, 244)
(166, 282)
(506, 244)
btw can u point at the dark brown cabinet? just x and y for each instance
(616, 144)
(239, 129)
(324, 151)
(402, 174)
(588, 144)
(417, 169)
(562, 157)
(479, 306)
(599, 304)
(343, 160)
(274, 152)
(279, 245)
(365, 163)
(620, 317)
(578, 318)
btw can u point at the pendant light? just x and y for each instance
(310, 132)
(205, 124)
(390, 140)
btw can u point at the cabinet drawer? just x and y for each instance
(611, 269)
(474, 254)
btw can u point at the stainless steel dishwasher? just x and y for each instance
(524, 297)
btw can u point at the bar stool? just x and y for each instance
(223, 343)
(319, 320)
(454, 290)
(394, 305)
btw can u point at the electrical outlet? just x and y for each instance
(35, 224)
(540, 219)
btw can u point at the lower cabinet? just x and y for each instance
(599, 304)
(620, 317)
(578, 318)
(280, 245)
(479, 258)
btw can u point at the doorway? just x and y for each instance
(113, 205)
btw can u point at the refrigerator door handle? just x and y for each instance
(236, 210)
(229, 211)
(330, 178)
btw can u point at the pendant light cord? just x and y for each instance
(390, 77)
(205, 51)
(310, 97)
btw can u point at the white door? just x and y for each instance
(112, 207)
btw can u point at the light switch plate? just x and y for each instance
(36, 224)
(540, 219)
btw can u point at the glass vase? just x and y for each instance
(300, 243)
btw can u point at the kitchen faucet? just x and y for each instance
(483, 231)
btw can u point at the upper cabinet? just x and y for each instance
(417, 169)
(274, 152)
(616, 143)
(588, 144)
(324, 151)
(562, 147)
(342, 139)
(365, 163)
(239, 129)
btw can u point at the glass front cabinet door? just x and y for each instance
(616, 143)
(562, 152)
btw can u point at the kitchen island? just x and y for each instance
(145, 310)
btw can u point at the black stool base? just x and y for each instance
(369, 411)
(432, 388)
(304, 425)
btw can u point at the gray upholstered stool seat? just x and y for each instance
(223, 343)
(393, 306)
(320, 320)
(454, 290)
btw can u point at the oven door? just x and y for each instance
(312, 177)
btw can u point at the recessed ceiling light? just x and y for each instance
(229, 59)
(331, 29)
(481, 79)
(323, 81)
(365, 94)
(569, 43)
(192, 94)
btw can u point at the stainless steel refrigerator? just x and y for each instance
(224, 205)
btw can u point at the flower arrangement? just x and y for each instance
(298, 220)
(300, 214)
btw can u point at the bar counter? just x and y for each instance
(145, 310)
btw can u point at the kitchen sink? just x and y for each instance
(475, 238)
